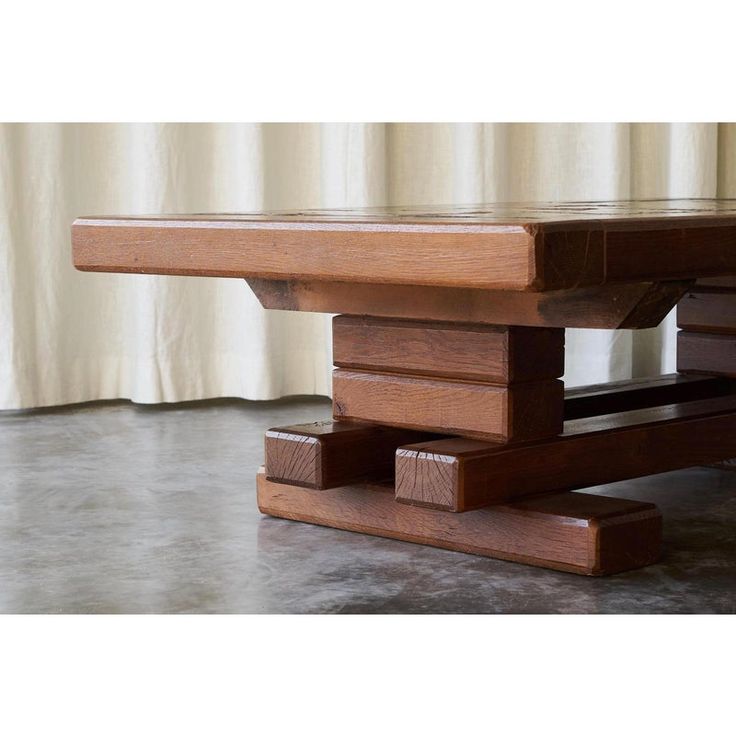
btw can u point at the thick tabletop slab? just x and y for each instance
(520, 247)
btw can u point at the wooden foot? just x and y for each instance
(708, 310)
(573, 532)
(710, 353)
(499, 413)
(471, 352)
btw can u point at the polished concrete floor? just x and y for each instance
(115, 508)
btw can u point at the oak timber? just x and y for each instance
(459, 474)
(502, 413)
(329, 453)
(515, 246)
(449, 350)
(641, 393)
(617, 306)
(573, 532)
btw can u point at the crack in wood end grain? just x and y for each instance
(429, 479)
(294, 458)
(330, 453)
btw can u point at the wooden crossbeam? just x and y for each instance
(500, 413)
(642, 393)
(459, 474)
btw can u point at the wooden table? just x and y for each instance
(451, 426)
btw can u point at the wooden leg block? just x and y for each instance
(708, 311)
(493, 382)
(573, 532)
(327, 454)
(457, 474)
(490, 353)
(501, 413)
(701, 352)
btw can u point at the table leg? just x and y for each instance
(434, 441)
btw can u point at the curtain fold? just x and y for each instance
(68, 337)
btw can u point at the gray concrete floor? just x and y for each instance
(115, 508)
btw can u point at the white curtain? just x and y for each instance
(69, 337)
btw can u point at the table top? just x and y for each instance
(505, 246)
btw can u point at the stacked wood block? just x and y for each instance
(706, 342)
(488, 382)
(706, 317)
(402, 382)
(455, 417)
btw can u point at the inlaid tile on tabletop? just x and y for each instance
(329, 453)
(502, 413)
(447, 349)
(457, 474)
(574, 532)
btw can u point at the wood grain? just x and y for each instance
(448, 255)
(641, 393)
(708, 311)
(716, 282)
(678, 253)
(459, 474)
(620, 306)
(450, 350)
(712, 354)
(574, 532)
(571, 259)
(513, 413)
(524, 247)
(327, 454)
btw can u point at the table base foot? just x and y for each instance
(574, 532)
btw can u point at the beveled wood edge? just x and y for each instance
(447, 256)
(611, 306)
